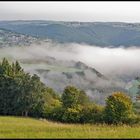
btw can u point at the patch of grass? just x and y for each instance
(19, 127)
(44, 66)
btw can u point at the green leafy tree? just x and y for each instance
(51, 103)
(118, 108)
(31, 95)
(7, 95)
(83, 98)
(73, 96)
(73, 100)
(70, 96)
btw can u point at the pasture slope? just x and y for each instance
(20, 127)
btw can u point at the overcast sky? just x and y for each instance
(71, 11)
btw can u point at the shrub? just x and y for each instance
(51, 107)
(92, 114)
(134, 119)
(72, 115)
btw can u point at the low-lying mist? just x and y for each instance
(120, 65)
(108, 61)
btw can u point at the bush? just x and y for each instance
(134, 119)
(72, 115)
(56, 114)
(118, 108)
(92, 114)
(51, 107)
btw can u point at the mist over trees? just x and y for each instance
(24, 95)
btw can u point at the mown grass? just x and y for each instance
(18, 127)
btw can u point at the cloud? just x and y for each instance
(71, 11)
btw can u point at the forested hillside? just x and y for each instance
(113, 34)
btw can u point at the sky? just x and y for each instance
(71, 11)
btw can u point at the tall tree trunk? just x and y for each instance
(26, 113)
(22, 113)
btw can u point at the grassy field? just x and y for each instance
(18, 127)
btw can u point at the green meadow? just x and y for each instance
(20, 127)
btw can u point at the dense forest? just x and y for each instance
(22, 94)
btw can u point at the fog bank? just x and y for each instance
(108, 61)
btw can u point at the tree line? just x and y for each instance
(22, 94)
